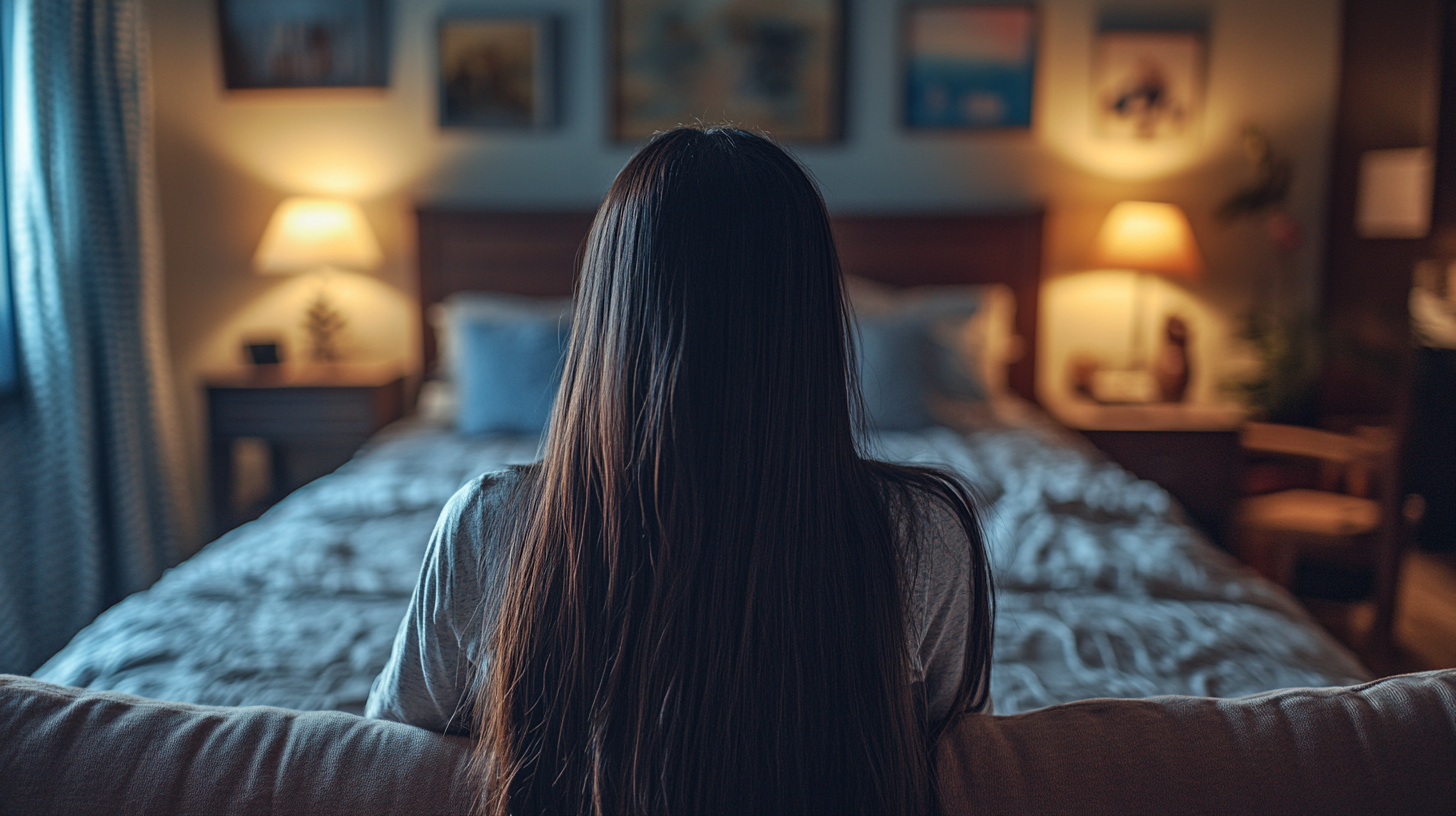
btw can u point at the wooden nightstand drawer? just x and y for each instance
(1201, 469)
(299, 413)
(1190, 450)
(311, 419)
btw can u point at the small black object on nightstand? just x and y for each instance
(263, 353)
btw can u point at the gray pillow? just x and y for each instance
(894, 359)
(910, 348)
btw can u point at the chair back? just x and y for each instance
(1364, 463)
(1368, 445)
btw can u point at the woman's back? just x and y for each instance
(699, 600)
(464, 554)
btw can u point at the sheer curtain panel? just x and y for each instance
(88, 443)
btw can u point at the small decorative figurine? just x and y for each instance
(323, 323)
(1171, 368)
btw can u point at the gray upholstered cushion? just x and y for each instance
(1384, 747)
(76, 752)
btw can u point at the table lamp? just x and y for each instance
(318, 235)
(1148, 237)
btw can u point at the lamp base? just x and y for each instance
(1123, 386)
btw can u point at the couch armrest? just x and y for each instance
(76, 752)
(1383, 747)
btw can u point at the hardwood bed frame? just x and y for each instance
(536, 253)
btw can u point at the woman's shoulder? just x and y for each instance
(940, 526)
(486, 493)
(475, 509)
(930, 498)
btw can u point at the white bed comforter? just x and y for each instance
(1103, 590)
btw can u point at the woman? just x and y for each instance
(702, 598)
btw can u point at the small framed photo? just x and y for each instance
(969, 67)
(498, 72)
(303, 43)
(1147, 85)
(263, 352)
(774, 66)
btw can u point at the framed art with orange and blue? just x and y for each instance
(969, 67)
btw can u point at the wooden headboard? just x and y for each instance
(536, 253)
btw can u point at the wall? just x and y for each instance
(227, 160)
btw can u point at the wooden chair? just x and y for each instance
(1358, 503)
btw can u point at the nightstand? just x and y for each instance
(311, 419)
(1190, 451)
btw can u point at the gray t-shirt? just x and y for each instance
(428, 676)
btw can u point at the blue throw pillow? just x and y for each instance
(507, 374)
(893, 352)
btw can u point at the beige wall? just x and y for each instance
(227, 160)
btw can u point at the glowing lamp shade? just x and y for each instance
(1145, 236)
(308, 233)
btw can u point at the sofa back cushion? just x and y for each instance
(76, 752)
(1384, 747)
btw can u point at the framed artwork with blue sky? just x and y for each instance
(969, 66)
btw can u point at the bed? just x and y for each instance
(1104, 589)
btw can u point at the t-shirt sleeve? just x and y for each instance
(429, 675)
(942, 599)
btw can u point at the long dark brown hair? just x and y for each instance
(701, 594)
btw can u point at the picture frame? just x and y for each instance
(274, 44)
(498, 72)
(969, 67)
(1147, 86)
(775, 67)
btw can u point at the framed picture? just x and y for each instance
(969, 66)
(774, 66)
(302, 43)
(498, 72)
(1147, 86)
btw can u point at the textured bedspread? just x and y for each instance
(1104, 591)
